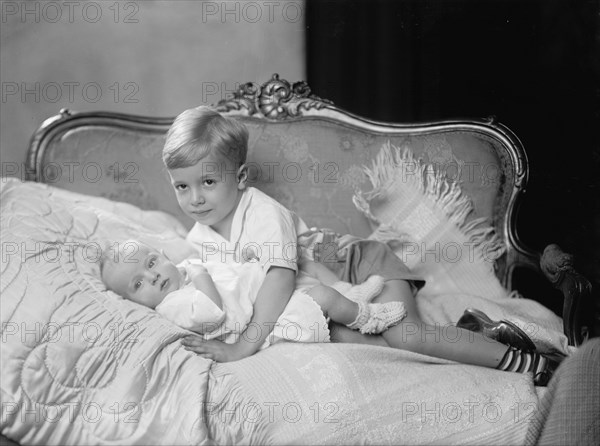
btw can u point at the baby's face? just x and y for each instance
(141, 274)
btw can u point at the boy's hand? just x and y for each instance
(213, 349)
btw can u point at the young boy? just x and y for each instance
(216, 299)
(205, 154)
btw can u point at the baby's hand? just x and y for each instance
(194, 268)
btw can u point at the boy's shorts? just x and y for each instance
(365, 258)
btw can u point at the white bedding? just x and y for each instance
(81, 365)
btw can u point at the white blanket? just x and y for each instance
(426, 219)
(80, 365)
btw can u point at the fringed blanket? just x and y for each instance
(425, 218)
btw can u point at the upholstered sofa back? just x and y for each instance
(303, 151)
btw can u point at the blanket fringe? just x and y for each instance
(383, 174)
(393, 163)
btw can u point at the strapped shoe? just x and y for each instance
(503, 331)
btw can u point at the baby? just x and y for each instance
(216, 299)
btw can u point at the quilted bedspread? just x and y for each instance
(81, 365)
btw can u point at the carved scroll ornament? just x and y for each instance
(276, 99)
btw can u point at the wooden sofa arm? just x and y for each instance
(558, 267)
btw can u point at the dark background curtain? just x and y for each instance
(534, 64)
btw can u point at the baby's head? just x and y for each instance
(201, 131)
(139, 273)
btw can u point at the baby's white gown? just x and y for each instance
(301, 321)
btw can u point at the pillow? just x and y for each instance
(52, 215)
(423, 216)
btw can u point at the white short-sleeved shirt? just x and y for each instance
(301, 321)
(262, 231)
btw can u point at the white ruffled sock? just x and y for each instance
(364, 292)
(376, 318)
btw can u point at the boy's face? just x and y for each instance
(209, 191)
(141, 274)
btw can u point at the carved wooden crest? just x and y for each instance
(276, 99)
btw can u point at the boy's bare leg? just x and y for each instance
(341, 333)
(364, 292)
(447, 342)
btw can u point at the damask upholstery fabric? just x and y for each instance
(312, 166)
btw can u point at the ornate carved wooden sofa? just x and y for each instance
(309, 154)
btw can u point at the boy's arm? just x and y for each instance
(272, 230)
(272, 297)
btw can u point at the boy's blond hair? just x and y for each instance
(198, 131)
